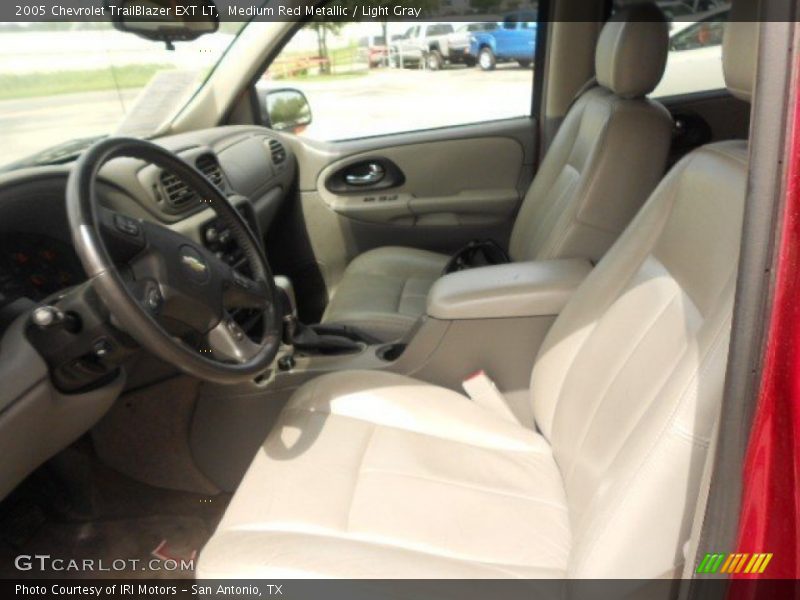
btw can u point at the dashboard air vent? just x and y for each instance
(278, 151)
(177, 193)
(208, 165)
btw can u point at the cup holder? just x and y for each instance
(390, 352)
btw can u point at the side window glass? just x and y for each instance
(430, 75)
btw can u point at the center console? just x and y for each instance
(492, 318)
(218, 238)
(524, 289)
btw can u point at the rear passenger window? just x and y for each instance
(694, 62)
(700, 35)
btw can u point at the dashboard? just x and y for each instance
(49, 398)
(252, 165)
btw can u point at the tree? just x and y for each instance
(322, 28)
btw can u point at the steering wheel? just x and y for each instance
(164, 289)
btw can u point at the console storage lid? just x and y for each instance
(523, 289)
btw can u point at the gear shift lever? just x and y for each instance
(290, 325)
(288, 307)
(288, 299)
(301, 336)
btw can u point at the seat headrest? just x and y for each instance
(632, 51)
(740, 49)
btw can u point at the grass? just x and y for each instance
(52, 83)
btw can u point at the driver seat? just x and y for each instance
(372, 474)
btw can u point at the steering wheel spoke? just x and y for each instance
(240, 291)
(228, 341)
(148, 293)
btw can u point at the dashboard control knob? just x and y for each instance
(46, 317)
(51, 318)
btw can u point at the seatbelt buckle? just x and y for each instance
(483, 391)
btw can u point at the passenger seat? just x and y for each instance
(608, 155)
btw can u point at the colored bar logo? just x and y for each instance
(735, 562)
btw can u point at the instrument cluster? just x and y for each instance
(35, 266)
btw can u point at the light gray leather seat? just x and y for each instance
(609, 154)
(371, 474)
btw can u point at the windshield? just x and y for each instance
(62, 85)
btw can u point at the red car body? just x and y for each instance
(770, 517)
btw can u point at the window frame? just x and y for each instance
(537, 81)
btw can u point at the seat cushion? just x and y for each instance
(383, 291)
(371, 474)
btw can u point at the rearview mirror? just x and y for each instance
(288, 110)
(165, 21)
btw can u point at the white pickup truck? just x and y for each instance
(424, 45)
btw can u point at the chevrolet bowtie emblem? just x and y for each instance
(195, 264)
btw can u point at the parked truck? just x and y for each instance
(426, 45)
(514, 39)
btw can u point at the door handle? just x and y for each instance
(370, 174)
(374, 174)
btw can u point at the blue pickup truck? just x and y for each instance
(514, 38)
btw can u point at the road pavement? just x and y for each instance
(394, 100)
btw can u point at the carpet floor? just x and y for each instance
(75, 508)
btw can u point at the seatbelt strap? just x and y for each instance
(589, 85)
(484, 392)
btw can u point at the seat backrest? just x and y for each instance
(610, 151)
(629, 381)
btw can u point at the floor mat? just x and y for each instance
(77, 509)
